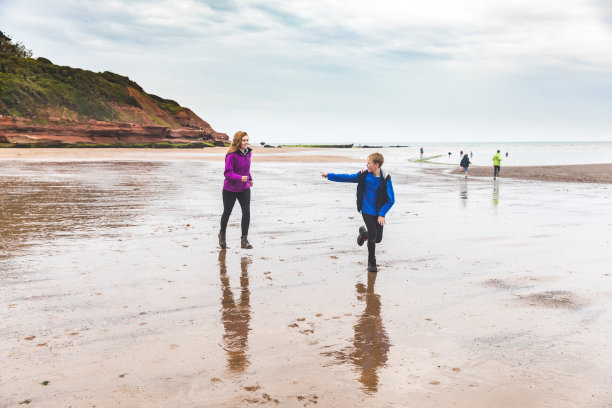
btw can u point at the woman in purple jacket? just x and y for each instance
(237, 186)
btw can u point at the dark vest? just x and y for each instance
(381, 197)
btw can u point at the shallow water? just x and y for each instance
(520, 154)
(113, 290)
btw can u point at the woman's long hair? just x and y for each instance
(236, 142)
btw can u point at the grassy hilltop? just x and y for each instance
(37, 89)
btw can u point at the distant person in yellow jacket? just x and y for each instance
(496, 164)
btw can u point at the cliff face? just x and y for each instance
(41, 102)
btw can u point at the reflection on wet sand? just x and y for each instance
(44, 201)
(463, 192)
(495, 193)
(235, 317)
(371, 342)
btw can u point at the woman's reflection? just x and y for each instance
(236, 317)
(371, 343)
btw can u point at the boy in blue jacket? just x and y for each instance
(374, 198)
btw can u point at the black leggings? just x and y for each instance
(229, 199)
(496, 171)
(375, 234)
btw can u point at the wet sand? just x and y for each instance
(114, 292)
(583, 173)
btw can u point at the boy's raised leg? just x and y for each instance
(363, 235)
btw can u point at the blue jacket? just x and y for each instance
(374, 194)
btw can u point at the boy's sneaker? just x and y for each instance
(363, 236)
(372, 267)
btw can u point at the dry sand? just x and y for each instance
(583, 173)
(113, 291)
(287, 154)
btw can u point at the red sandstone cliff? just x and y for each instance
(21, 130)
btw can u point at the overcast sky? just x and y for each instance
(315, 71)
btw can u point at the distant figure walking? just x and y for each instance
(496, 164)
(421, 152)
(465, 164)
(506, 154)
(237, 186)
(461, 153)
(471, 154)
(449, 154)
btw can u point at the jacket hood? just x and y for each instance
(248, 150)
(383, 173)
(239, 152)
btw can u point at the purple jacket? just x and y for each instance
(237, 164)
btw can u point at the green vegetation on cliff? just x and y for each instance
(33, 88)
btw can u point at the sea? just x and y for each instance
(523, 154)
(513, 153)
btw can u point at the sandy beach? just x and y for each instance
(583, 173)
(114, 291)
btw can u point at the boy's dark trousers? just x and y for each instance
(375, 233)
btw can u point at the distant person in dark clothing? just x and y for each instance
(465, 164)
(449, 154)
(421, 152)
(506, 154)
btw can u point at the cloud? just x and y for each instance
(471, 34)
(477, 64)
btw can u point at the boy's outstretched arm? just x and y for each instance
(342, 178)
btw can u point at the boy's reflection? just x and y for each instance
(236, 317)
(371, 343)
